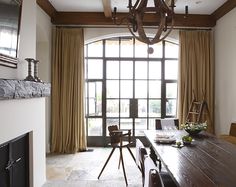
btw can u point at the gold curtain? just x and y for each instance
(68, 127)
(196, 72)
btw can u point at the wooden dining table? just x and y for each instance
(207, 162)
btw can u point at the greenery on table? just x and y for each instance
(194, 128)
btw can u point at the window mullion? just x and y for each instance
(163, 90)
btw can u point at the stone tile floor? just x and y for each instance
(82, 169)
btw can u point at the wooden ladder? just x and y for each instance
(196, 110)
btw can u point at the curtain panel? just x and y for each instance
(68, 127)
(196, 73)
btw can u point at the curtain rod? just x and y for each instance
(123, 27)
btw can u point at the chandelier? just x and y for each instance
(135, 20)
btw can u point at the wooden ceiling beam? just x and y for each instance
(194, 20)
(224, 9)
(107, 8)
(98, 18)
(48, 8)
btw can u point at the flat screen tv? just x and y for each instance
(10, 13)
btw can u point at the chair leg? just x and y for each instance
(133, 157)
(154, 158)
(131, 154)
(107, 161)
(123, 166)
(119, 163)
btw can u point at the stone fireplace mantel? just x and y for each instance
(19, 89)
(23, 111)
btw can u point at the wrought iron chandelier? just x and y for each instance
(163, 10)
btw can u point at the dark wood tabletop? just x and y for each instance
(207, 162)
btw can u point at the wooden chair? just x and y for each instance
(150, 175)
(155, 179)
(232, 131)
(138, 145)
(168, 123)
(232, 134)
(142, 153)
(117, 141)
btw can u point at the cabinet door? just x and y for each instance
(4, 157)
(20, 168)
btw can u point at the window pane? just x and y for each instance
(140, 49)
(126, 47)
(112, 108)
(126, 124)
(112, 69)
(152, 124)
(95, 49)
(171, 107)
(154, 108)
(140, 89)
(157, 50)
(94, 127)
(124, 108)
(126, 70)
(112, 89)
(140, 125)
(171, 50)
(154, 89)
(111, 121)
(171, 69)
(126, 89)
(171, 90)
(112, 48)
(141, 70)
(95, 69)
(142, 108)
(154, 70)
(95, 98)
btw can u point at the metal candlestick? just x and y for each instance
(36, 78)
(29, 77)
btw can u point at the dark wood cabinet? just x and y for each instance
(14, 162)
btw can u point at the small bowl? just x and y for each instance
(193, 132)
(187, 142)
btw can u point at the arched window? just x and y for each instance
(120, 71)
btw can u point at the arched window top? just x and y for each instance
(128, 47)
(92, 35)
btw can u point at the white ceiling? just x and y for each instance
(194, 6)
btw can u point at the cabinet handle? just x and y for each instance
(11, 163)
(19, 159)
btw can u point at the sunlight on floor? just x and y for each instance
(82, 169)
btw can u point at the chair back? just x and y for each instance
(148, 166)
(115, 136)
(138, 145)
(167, 124)
(143, 154)
(155, 179)
(232, 131)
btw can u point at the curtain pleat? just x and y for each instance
(68, 127)
(196, 72)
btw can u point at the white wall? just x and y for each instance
(43, 54)
(26, 115)
(22, 116)
(225, 76)
(93, 34)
